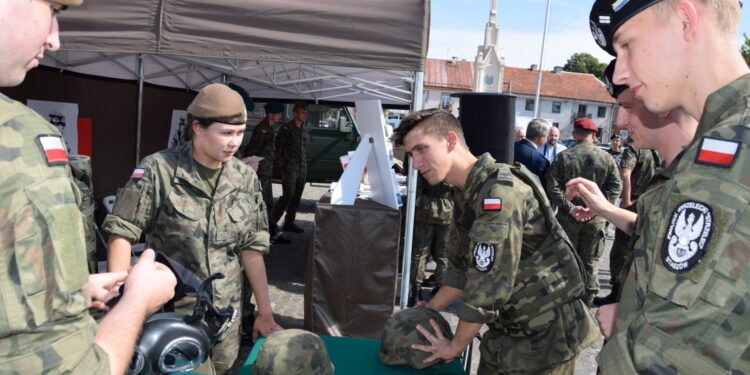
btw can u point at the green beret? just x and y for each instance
(609, 73)
(608, 15)
(274, 107)
(219, 103)
(249, 103)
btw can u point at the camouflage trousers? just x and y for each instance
(548, 349)
(429, 239)
(588, 241)
(621, 255)
(267, 189)
(292, 184)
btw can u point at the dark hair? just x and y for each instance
(187, 135)
(437, 122)
(300, 105)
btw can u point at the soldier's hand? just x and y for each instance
(265, 325)
(582, 214)
(440, 347)
(150, 282)
(589, 192)
(103, 286)
(606, 316)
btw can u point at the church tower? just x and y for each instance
(489, 64)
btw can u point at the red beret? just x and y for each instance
(586, 124)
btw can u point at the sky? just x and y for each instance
(457, 28)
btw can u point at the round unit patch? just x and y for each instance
(484, 256)
(598, 35)
(688, 234)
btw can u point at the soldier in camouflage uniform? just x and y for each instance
(291, 153)
(46, 290)
(509, 259)
(202, 207)
(684, 306)
(432, 222)
(585, 160)
(293, 352)
(262, 144)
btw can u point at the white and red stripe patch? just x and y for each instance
(138, 173)
(717, 152)
(492, 204)
(53, 149)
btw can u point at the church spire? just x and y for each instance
(489, 64)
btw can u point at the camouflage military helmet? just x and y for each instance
(400, 333)
(293, 351)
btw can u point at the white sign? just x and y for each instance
(177, 129)
(64, 116)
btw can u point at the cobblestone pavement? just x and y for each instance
(286, 270)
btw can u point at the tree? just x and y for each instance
(585, 63)
(745, 49)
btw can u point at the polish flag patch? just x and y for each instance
(717, 152)
(53, 149)
(138, 173)
(492, 204)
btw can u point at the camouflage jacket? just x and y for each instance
(687, 309)
(586, 160)
(262, 144)
(167, 200)
(434, 203)
(515, 265)
(44, 322)
(291, 146)
(644, 164)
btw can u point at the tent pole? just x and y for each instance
(139, 120)
(411, 196)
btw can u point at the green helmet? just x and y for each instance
(400, 333)
(293, 352)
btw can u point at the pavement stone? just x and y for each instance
(285, 266)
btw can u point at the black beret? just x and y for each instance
(608, 15)
(274, 107)
(614, 90)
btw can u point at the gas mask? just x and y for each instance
(172, 342)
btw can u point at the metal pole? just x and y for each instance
(139, 120)
(411, 195)
(541, 62)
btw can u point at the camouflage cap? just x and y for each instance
(67, 2)
(400, 332)
(609, 73)
(608, 15)
(293, 351)
(219, 103)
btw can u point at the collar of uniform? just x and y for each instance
(719, 104)
(188, 172)
(478, 174)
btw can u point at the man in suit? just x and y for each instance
(526, 151)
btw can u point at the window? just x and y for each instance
(556, 107)
(529, 104)
(601, 112)
(445, 101)
(581, 110)
(556, 124)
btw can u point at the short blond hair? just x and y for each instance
(726, 14)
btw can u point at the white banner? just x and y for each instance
(177, 129)
(64, 116)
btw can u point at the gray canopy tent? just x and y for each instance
(345, 50)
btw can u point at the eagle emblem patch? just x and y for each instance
(484, 256)
(689, 231)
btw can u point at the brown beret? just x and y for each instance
(67, 2)
(219, 103)
(585, 124)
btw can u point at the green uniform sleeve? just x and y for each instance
(135, 206)
(256, 238)
(556, 184)
(629, 158)
(613, 184)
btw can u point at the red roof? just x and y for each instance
(449, 74)
(567, 85)
(459, 75)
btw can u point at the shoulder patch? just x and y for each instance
(53, 149)
(138, 173)
(687, 237)
(492, 204)
(717, 152)
(484, 256)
